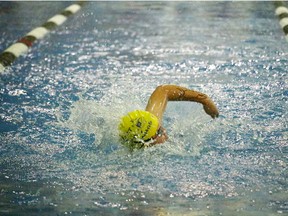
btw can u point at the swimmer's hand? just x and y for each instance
(211, 109)
(161, 137)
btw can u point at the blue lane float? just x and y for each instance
(282, 13)
(8, 56)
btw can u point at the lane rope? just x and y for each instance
(282, 13)
(8, 56)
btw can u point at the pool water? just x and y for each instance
(61, 103)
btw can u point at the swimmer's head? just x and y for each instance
(138, 126)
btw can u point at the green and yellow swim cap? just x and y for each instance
(138, 126)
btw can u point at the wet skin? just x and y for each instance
(162, 94)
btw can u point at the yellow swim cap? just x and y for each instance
(138, 126)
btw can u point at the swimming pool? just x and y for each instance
(60, 106)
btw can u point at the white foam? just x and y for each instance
(186, 122)
(93, 118)
(187, 128)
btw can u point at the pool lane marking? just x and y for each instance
(39, 32)
(282, 13)
(22, 46)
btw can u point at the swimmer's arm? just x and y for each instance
(162, 94)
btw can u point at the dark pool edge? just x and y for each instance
(8, 56)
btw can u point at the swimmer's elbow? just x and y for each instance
(160, 87)
(164, 88)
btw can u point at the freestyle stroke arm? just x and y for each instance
(158, 100)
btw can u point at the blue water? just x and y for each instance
(61, 103)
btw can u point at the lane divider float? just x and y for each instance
(8, 56)
(282, 12)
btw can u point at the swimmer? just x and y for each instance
(141, 128)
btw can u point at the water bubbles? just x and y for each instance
(17, 92)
